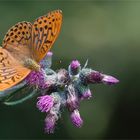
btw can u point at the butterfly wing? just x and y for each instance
(44, 32)
(24, 41)
(11, 71)
(17, 41)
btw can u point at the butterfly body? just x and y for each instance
(31, 64)
(25, 45)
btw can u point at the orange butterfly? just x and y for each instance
(25, 45)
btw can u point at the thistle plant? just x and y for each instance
(55, 90)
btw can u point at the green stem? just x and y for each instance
(32, 94)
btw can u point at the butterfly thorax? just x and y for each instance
(31, 64)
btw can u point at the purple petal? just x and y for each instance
(45, 103)
(75, 64)
(86, 95)
(49, 54)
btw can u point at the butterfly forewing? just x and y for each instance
(11, 72)
(44, 33)
(18, 40)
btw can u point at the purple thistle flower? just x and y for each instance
(50, 122)
(74, 67)
(72, 99)
(76, 118)
(37, 78)
(75, 64)
(45, 103)
(110, 80)
(49, 54)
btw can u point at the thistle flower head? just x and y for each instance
(88, 76)
(76, 118)
(110, 80)
(49, 54)
(45, 103)
(37, 78)
(74, 67)
(72, 99)
(75, 64)
(94, 77)
(50, 123)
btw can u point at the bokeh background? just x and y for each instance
(108, 34)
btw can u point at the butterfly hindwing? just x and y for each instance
(11, 72)
(44, 33)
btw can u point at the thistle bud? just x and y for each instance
(76, 118)
(50, 123)
(53, 114)
(74, 67)
(83, 91)
(88, 76)
(72, 99)
(110, 80)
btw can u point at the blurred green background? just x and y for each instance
(108, 34)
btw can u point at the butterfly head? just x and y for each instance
(31, 64)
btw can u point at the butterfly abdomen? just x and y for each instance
(31, 64)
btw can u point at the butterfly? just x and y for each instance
(25, 45)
